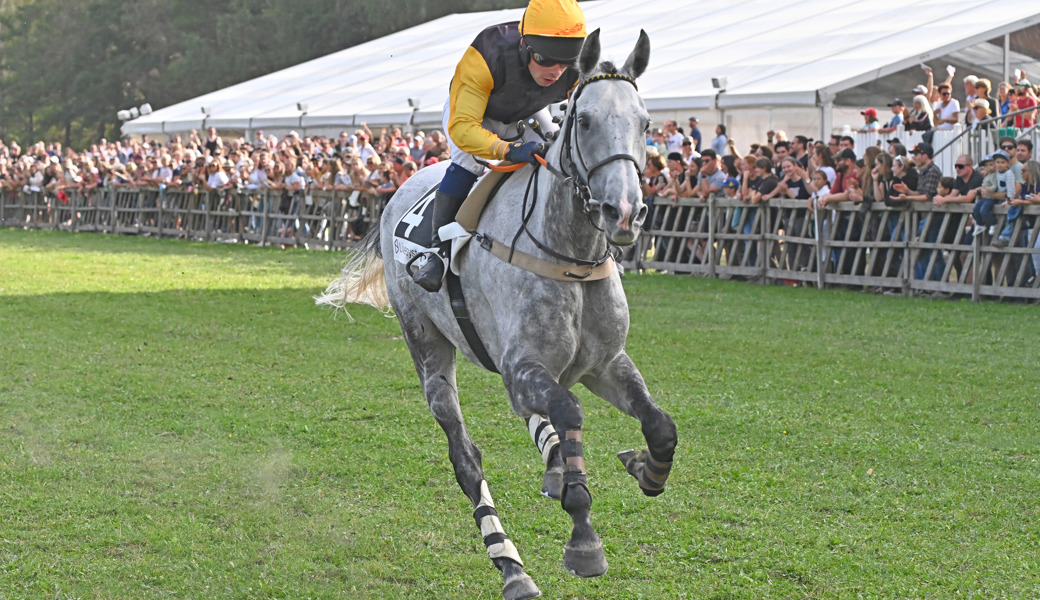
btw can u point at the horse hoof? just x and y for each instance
(521, 588)
(552, 484)
(585, 562)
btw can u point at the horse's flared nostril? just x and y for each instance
(610, 212)
(642, 215)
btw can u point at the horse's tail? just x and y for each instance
(362, 280)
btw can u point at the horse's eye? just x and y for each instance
(583, 122)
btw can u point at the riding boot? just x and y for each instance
(430, 276)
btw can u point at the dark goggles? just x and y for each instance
(544, 61)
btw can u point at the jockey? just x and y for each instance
(511, 72)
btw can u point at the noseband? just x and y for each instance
(580, 177)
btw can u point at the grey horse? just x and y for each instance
(544, 335)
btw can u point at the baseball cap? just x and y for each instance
(694, 119)
(923, 148)
(731, 184)
(980, 103)
(675, 156)
(1000, 154)
(896, 102)
(869, 112)
(985, 159)
(894, 141)
(920, 90)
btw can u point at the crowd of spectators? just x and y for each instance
(827, 172)
(353, 162)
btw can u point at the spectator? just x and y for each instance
(688, 152)
(711, 177)
(947, 110)
(214, 145)
(800, 150)
(1009, 146)
(721, 142)
(695, 133)
(781, 150)
(980, 108)
(870, 120)
(983, 92)
(672, 138)
(216, 177)
(998, 186)
(1027, 194)
(921, 117)
(966, 184)
(1026, 98)
(897, 109)
(927, 187)
(969, 95)
(1006, 102)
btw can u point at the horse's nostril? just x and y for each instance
(642, 213)
(610, 212)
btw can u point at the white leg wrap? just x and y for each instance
(498, 544)
(543, 435)
(505, 550)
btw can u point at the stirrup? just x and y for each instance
(431, 275)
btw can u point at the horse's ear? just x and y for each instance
(589, 59)
(640, 57)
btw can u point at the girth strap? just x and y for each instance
(536, 265)
(458, 307)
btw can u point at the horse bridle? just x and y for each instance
(580, 178)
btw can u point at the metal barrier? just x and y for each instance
(318, 219)
(914, 250)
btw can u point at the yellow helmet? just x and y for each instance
(554, 28)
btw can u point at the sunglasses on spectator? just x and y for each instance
(959, 166)
(1007, 147)
(946, 93)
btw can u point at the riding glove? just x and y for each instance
(526, 152)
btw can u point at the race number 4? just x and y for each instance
(414, 217)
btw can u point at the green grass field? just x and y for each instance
(178, 420)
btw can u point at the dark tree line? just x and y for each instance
(66, 68)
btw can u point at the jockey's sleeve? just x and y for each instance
(470, 89)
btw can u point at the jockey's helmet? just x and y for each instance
(553, 31)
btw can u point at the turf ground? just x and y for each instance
(178, 420)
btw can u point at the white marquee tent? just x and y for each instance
(785, 63)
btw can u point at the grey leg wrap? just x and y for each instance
(650, 473)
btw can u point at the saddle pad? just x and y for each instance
(407, 238)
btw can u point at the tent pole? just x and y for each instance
(826, 119)
(1007, 57)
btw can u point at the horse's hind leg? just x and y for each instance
(547, 441)
(434, 359)
(533, 390)
(621, 384)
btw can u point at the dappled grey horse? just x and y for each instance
(543, 334)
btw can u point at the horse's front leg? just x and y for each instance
(533, 390)
(621, 384)
(547, 441)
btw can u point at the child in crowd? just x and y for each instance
(820, 188)
(998, 185)
(945, 186)
(1029, 193)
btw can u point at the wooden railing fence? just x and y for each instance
(319, 219)
(914, 250)
(918, 249)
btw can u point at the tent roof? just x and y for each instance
(797, 53)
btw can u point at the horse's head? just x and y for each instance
(605, 139)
